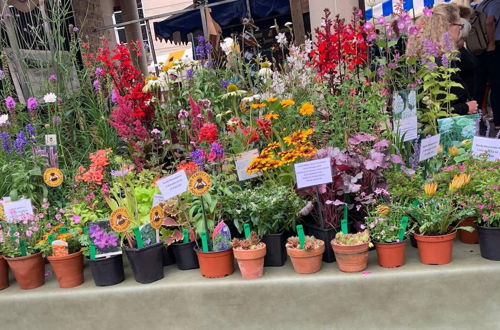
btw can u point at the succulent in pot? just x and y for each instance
(306, 259)
(351, 251)
(250, 253)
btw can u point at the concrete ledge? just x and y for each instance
(462, 295)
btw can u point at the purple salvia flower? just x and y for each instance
(99, 72)
(32, 104)
(6, 143)
(20, 142)
(10, 103)
(52, 77)
(97, 85)
(189, 73)
(198, 156)
(448, 44)
(445, 61)
(30, 129)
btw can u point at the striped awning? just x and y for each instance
(386, 8)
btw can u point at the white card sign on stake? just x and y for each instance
(407, 127)
(51, 140)
(404, 108)
(242, 161)
(429, 147)
(489, 146)
(313, 173)
(173, 185)
(15, 210)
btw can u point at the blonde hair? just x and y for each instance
(434, 28)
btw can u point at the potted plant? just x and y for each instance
(4, 267)
(61, 246)
(177, 219)
(389, 232)
(357, 173)
(21, 232)
(271, 211)
(217, 259)
(351, 251)
(436, 219)
(305, 259)
(250, 253)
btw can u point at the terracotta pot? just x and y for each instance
(464, 236)
(29, 271)
(391, 255)
(4, 274)
(68, 269)
(306, 262)
(215, 264)
(351, 258)
(435, 250)
(251, 262)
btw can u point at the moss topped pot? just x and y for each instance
(306, 259)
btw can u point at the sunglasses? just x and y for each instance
(461, 25)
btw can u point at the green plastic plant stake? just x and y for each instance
(302, 237)
(246, 227)
(51, 238)
(63, 230)
(185, 235)
(138, 238)
(404, 224)
(92, 251)
(204, 242)
(415, 202)
(22, 248)
(343, 222)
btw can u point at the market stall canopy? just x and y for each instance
(177, 28)
(388, 7)
(23, 5)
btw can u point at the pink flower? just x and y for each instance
(480, 206)
(427, 12)
(58, 216)
(45, 205)
(76, 219)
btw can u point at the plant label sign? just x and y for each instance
(489, 146)
(157, 199)
(15, 210)
(50, 140)
(313, 173)
(242, 161)
(429, 147)
(404, 106)
(173, 185)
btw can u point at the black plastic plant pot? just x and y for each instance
(489, 242)
(275, 250)
(326, 235)
(146, 263)
(413, 241)
(107, 271)
(185, 256)
(168, 256)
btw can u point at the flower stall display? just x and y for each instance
(351, 250)
(250, 253)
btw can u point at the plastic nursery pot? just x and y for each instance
(435, 250)
(4, 274)
(251, 262)
(351, 258)
(68, 269)
(107, 271)
(185, 256)
(168, 256)
(391, 255)
(489, 242)
(275, 250)
(146, 263)
(413, 241)
(215, 264)
(326, 235)
(464, 236)
(29, 271)
(306, 262)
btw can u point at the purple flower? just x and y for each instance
(198, 156)
(209, 64)
(155, 131)
(32, 104)
(431, 48)
(445, 61)
(183, 114)
(76, 219)
(189, 73)
(76, 29)
(217, 149)
(114, 95)
(10, 103)
(2, 74)
(99, 72)
(448, 44)
(97, 85)
(224, 84)
(205, 103)
(52, 77)
(203, 49)
(6, 143)
(427, 12)
(120, 173)
(57, 120)
(30, 129)
(20, 142)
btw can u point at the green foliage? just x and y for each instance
(352, 239)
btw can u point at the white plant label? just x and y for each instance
(242, 161)
(313, 172)
(51, 140)
(429, 147)
(173, 185)
(15, 210)
(482, 145)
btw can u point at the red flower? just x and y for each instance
(265, 127)
(208, 133)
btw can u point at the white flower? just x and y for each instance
(50, 98)
(281, 39)
(265, 73)
(288, 24)
(4, 119)
(227, 45)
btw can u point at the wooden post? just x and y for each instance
(298, 21)
(134, 32)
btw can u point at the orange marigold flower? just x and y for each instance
(271, 116)
(257, 105)
(287, 103)
(189, 167)
(307, 150)
(298, 137)
(306, 109)
(272, 99)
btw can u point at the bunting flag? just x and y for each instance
(387, 7)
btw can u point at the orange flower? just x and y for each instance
(271, 99)
(271, 116)
(189, 167)
(257, 105)
(287, 103)
(306, 109)
(298, 137)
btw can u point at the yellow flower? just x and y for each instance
(306, 109)
(2, 214)
(383, 210)
(287, 103)
(271, 116)
(266, 152)
(272, 99)
(265, 65)
(257, 105)
(289, 156)
(466, 143)
(307, 150)
(298, 137)
(440, 149)
(430, 188)
(453, 151)
(459, 181)
(231, 88)
(148, 78)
